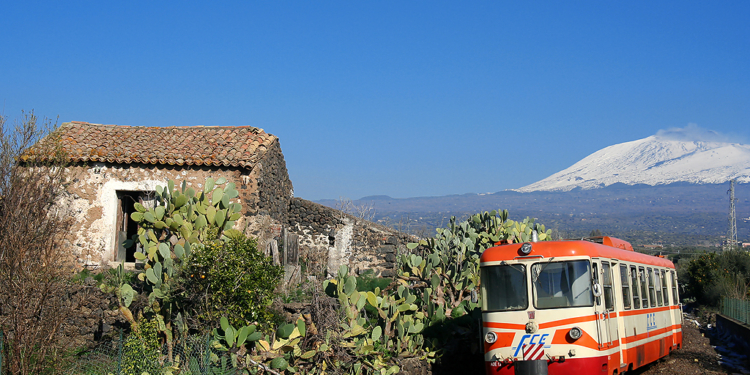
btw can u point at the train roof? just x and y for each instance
(604, 247)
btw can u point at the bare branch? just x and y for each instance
(34, 271)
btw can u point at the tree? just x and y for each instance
(232, 279)
(34, 272)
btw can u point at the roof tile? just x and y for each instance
(186, 145)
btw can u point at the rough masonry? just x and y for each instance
(112, 167)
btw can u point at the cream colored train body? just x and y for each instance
(577, 307)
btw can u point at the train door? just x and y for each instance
(667, 300)
(610, 314)
(627, 304)
(677, 313)
(602, 326)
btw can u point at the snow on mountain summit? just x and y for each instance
(664, 158)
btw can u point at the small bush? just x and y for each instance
(140, 351)
(80, 277)
(303, 292)
(231, 279)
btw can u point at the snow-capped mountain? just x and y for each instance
(664, 158)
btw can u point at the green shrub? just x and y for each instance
(709, 277)
(80, 277)
(231, 279)
(302, 292)
(140, 351)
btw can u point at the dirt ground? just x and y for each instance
(696, 357)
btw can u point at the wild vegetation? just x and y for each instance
(34, 273)
(428, 311)
(230, 279)
(358, 325)
(711, 276)
(197, 267)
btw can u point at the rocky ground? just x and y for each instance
(699, 354)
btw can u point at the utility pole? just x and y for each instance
(732, 236)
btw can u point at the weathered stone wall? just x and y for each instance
(87, 314)
(316, 217)
(93, 315)
(376, 247)
(333, 237)
(91, 197)
(274, 187)
(328, 237)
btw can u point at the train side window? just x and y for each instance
(607, 286)
(636, 291)
(625, 282)
(596, 280)
(675, 300)
(664, 291)
(644, 287)
(656, 282)
(650, 281)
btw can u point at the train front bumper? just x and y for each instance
(576, 366)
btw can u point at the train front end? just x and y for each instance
(538, 311)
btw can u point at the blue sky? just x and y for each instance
(408, 98)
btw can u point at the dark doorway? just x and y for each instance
(127, 227)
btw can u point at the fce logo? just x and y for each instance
(542, 339)
(650, 321)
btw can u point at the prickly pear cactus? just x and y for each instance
(180, 220)
(399, 328)
(189, 215)
(448, 264)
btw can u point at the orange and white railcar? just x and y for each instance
(577, 307)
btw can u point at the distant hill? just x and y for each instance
(695, 212)
(376, 198)
(616, 198)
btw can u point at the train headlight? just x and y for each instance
(526, 248)
(575, 333)
(490, 337)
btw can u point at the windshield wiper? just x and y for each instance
(536, 277)
(513, 266)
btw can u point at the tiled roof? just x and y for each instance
(236, 146)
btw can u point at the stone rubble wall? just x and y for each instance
(93, 315)
(274, 188)
(90, 315)
(345, 239)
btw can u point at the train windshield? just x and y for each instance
(504, 288)
(562, 284)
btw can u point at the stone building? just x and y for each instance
(112, 167)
